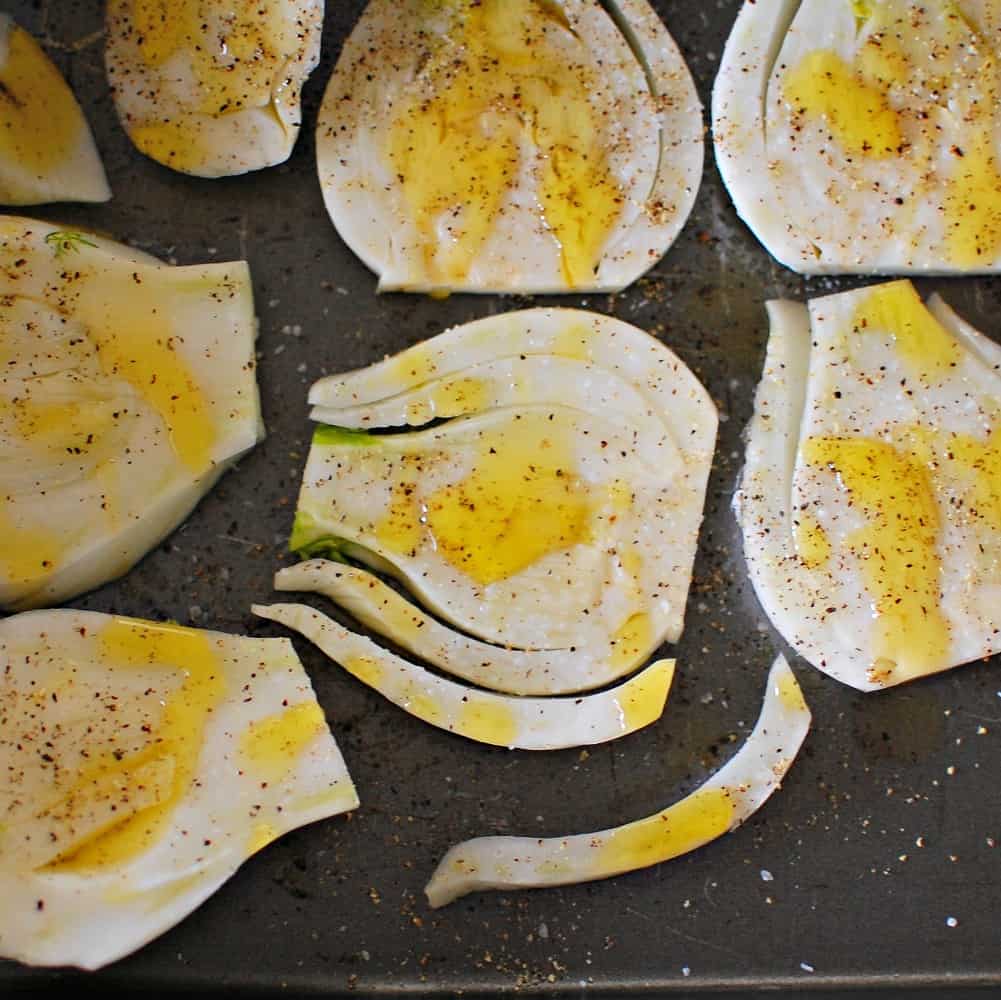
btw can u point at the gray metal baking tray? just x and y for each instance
(870, 846)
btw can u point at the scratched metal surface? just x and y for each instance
(871, 845)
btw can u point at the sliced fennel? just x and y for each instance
(862, 137)
(484, 515)
(47, 151)
(719, 806)
(383, 611)
(483, 716)
(869, 502)
(127, 387)
(509, 145)
(212, 88)
(141, 764)
(554, 516)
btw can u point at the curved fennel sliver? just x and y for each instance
(602, 341)
(682, 137)
(515, 723)
(719, 806)
(514, 381)
(738, 125)
(987, 351)
(497, 668)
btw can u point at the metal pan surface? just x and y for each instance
(847, 879)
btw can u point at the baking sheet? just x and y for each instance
(845, 879)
